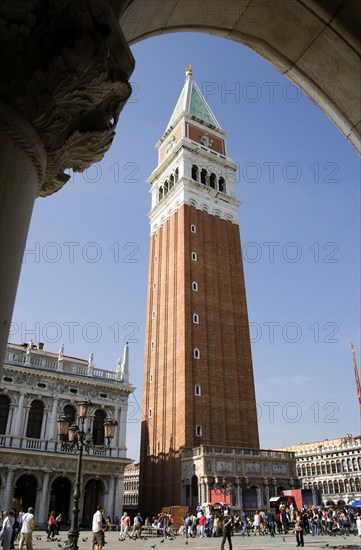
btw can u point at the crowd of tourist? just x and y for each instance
(314, 521)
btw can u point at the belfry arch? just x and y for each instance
(313, 42)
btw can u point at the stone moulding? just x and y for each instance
(65, 67)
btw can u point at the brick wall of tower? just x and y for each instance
(164, 432)
(226, 409)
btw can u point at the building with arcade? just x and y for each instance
(36, 467)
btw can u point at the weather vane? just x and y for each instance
(189, 70)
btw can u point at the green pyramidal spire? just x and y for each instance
(192, 103)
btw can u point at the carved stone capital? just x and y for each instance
(65, 68)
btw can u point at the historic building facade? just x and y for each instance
(198, 387)
(36, 468)
(333, 466)
(131, 487)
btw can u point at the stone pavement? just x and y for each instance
(239, 543)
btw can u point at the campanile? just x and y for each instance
(198, 387)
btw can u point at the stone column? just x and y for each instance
(111, 498)
(19, 416)
(64, 74)
(44, 424)
(122, 426)
(119, 494)
(52, 432)
(42, 501)
(10, 420)
(259, 497)
(9, 488)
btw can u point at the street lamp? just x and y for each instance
(73, 439)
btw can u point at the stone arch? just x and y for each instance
(60, 495)
(4, 413)
(314, 44)
(94, 491)
(26, 487)
(35, 419)
(98, 426)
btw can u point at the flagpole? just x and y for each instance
(357, 378)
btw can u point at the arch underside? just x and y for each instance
(314, 43)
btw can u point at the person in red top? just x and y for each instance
(202, 525)
(52, 527)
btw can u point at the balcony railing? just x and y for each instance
(208, 450)
(55, 446)
(68, 367)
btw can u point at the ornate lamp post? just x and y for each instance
(75, 439)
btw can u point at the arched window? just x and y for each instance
(70, 413)
(166, 187)
(197, 390)
(335, 484)
(323, 468)
(333, 467)
(204, 176)
(358, 485)
(148, 450)
(176, 175)
(194, 256)
(196, 318)
(196, 353)
(195, 286)
(342, 487)
(354, 464)
(150, 413)
(313, 469)
(349, 465)
(171, 181)
(212, 180)
(199, 430)
(352, 486)
(4, 413)
(222, 185)
(153, 314)
(98, 427)
(318, 469)
(338, 467)
(193, 229)
(160, 194)
(325, 488)
(195, 172)
(35, 420)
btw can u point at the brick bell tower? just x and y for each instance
(198, 376)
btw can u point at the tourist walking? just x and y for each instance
(27, 528)
(226, 530)
(98, 531)
(137, 526)
(52, 527)
(6, 532)
(299, 531)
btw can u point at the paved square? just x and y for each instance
(280, 542)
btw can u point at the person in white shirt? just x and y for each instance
(27, 528)
(7, 529)
(97, 528)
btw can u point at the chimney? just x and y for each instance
(41, 345)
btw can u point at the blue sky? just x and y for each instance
(86, 257)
